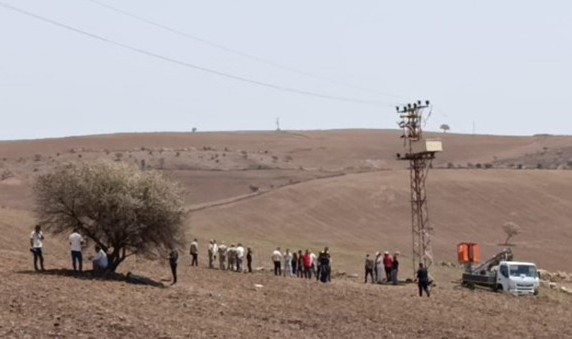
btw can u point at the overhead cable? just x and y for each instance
(190, 65)
(240, 53)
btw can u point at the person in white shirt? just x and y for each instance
(277, 259)
(100, 260)
(36, 244)
(76, 244)
(314, 259)
(288, 263)
(239, 257)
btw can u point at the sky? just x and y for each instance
(490, 67)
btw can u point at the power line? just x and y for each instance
(240, 53)
(190, 65)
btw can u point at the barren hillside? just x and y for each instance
(342, 189)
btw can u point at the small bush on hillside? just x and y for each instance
(122, 209)
(37, 157)
(511, 230)
(488, 166)
(6, 174)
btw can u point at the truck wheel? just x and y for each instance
(536, 291)
(498, 288)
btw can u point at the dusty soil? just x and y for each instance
(343, 189)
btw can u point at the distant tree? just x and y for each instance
(511, 229)
(445, 128)
(122, 209)
(194, 130)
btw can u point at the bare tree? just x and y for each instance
(445, 128)
(122, 209)
(511, 229)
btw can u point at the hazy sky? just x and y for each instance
(506, 65)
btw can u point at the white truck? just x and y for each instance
(502, 274)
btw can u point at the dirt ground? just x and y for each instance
(217, 304)
(342, 189)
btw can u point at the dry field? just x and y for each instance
(300, 190)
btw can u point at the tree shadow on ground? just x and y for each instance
(129, 278)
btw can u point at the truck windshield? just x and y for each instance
(526, 270)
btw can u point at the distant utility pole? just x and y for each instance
(278, 124)
(420, 154)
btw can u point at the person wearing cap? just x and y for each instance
(395, 269)
(388, 265)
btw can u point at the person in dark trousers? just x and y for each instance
(36, 244)
(295, 263)
(249, 259)
(301, 272)
(277, 259)
(368, 268)
(423, 280)
(325, 270)
(195, 253)
(395, 269)
(173, 259)
(387, 265)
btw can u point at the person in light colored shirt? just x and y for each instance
(36, 245)
(239, 257)
(195, 253)
(288, 263)
(222, 251)
(277, 259)
(100, 260)
(76, 244)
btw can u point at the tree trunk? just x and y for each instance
(507, 239)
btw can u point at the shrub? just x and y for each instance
(122, 209)
(511, 229)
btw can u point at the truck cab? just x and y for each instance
(517, 277)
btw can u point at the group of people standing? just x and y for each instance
(382, 268)
(303, 264)
(77, 245)
(230, 257)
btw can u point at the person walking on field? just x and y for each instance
(195, 253)
(173, 260)
(369, 263)
(36, 244)
(76, 244)
(388, 265)
(395, 269)
(288, 263)
(249, 259)
(277, 259)
(423, 280)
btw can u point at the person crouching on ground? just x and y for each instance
(99, 262)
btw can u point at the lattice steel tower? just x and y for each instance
(420, 154)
